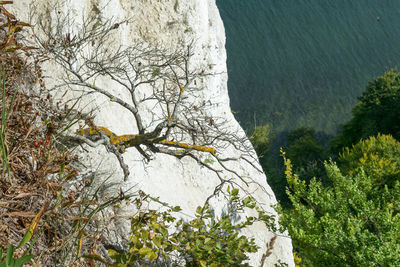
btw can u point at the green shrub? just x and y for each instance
(354, 221)
(377, 112)
(203, 241)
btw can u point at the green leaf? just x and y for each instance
(207, 247)
(164, 232)
(145, 235)
(26, 238)
(21, 261)
(249, 202)
(134, 240)
(176, 208)
(152, 255)
(60, 175)
(234, 192)
(145, 251)
(112, 253)
(157, 240)
(203, 263)
(209, 161)
(9, 256)
(199, 210)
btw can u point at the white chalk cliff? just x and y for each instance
(178, 182)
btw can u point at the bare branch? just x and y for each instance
(149, 78)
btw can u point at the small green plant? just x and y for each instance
(188, 30)
(209, 160)
(156, 71)
(205, 240)
(10, 261)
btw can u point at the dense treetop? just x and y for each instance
(377, 112)
(355, 220)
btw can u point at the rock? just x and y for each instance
(184, 182)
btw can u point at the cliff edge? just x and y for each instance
(183, 181)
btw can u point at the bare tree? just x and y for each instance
(152, 76)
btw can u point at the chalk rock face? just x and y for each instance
(183, 182)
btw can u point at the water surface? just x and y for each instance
(295, 63)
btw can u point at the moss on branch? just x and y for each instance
(121, 142)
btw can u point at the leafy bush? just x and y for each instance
(202, 241)
(379, 157)
(306, 153)
(354, 221)
(377, 112)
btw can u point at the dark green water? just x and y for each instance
(294, 63)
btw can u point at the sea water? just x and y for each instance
(303, 63)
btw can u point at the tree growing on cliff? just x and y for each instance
(162, 91)
(159, 87)
(31, 127)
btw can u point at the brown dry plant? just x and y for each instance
(46, 204)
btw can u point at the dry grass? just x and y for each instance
(39, 174)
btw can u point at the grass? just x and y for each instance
(4, 158)
(48, 203)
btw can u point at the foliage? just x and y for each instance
(305, 152)
(297, 260)
(205, 240)
(354, 221)
(303, 146)
(377, 112)
(261, 139)
(303, 149)
(10, 261)
(378, 156)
